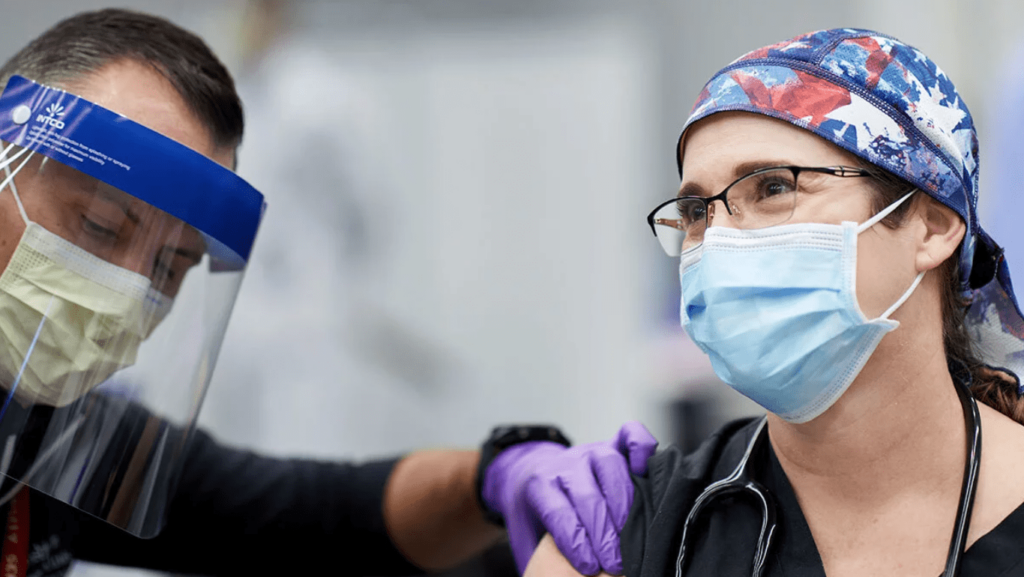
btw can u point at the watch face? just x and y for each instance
(503, 437)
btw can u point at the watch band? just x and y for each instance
(501, 438)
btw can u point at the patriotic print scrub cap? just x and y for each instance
(889, 104)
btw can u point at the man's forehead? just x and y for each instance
(138, 91)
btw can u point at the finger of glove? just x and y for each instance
(561, 519)
(584, 492)
(611, 471)
(637, 444)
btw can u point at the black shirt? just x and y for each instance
(236, 513)
(727, 534)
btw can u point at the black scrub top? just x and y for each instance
(726, 536)
(233, 513)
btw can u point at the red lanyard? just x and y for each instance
(14, 557)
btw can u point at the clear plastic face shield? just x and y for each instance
(114, 302)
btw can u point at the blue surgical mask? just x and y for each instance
(776, 311)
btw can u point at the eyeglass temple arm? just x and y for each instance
(671, 222)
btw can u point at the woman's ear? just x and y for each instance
(943, 230)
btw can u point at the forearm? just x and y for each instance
(233, 507)
(431, 511)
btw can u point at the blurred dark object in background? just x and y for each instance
(693, 418)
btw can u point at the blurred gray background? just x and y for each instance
(457, 190)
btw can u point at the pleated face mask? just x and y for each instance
(891, 106)
(68, 319)
(776, 311)
(101, 378)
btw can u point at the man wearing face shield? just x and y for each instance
(124, 236)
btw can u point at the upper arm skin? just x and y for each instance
(548, 561)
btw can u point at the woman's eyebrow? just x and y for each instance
(746, 168)
(691, 189)
(740, 170)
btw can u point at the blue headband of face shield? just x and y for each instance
(157, 170)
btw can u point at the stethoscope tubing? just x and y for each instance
(741, 481)
(972, 466)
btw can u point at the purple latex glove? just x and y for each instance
(581, 495)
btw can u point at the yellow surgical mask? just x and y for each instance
(68, 319)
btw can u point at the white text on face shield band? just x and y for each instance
(776, 311)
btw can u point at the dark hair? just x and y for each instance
(88, 41)
(994, 388)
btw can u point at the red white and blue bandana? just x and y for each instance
(889, 104)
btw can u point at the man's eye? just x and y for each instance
(163, 271)
(97, 229)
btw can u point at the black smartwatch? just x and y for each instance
(502, 438)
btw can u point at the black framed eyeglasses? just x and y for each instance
(765, 197)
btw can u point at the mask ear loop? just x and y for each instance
(884, 213)
(872, 222)
(10, 178)
(5, 460)
(906, 295)
(4, 161)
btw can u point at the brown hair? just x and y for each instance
(992, 387)
(88, 41)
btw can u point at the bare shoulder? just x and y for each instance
(1001, 479)
(548, 561)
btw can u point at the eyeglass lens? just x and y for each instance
(759, 200)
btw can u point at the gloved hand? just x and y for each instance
(580, 495)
